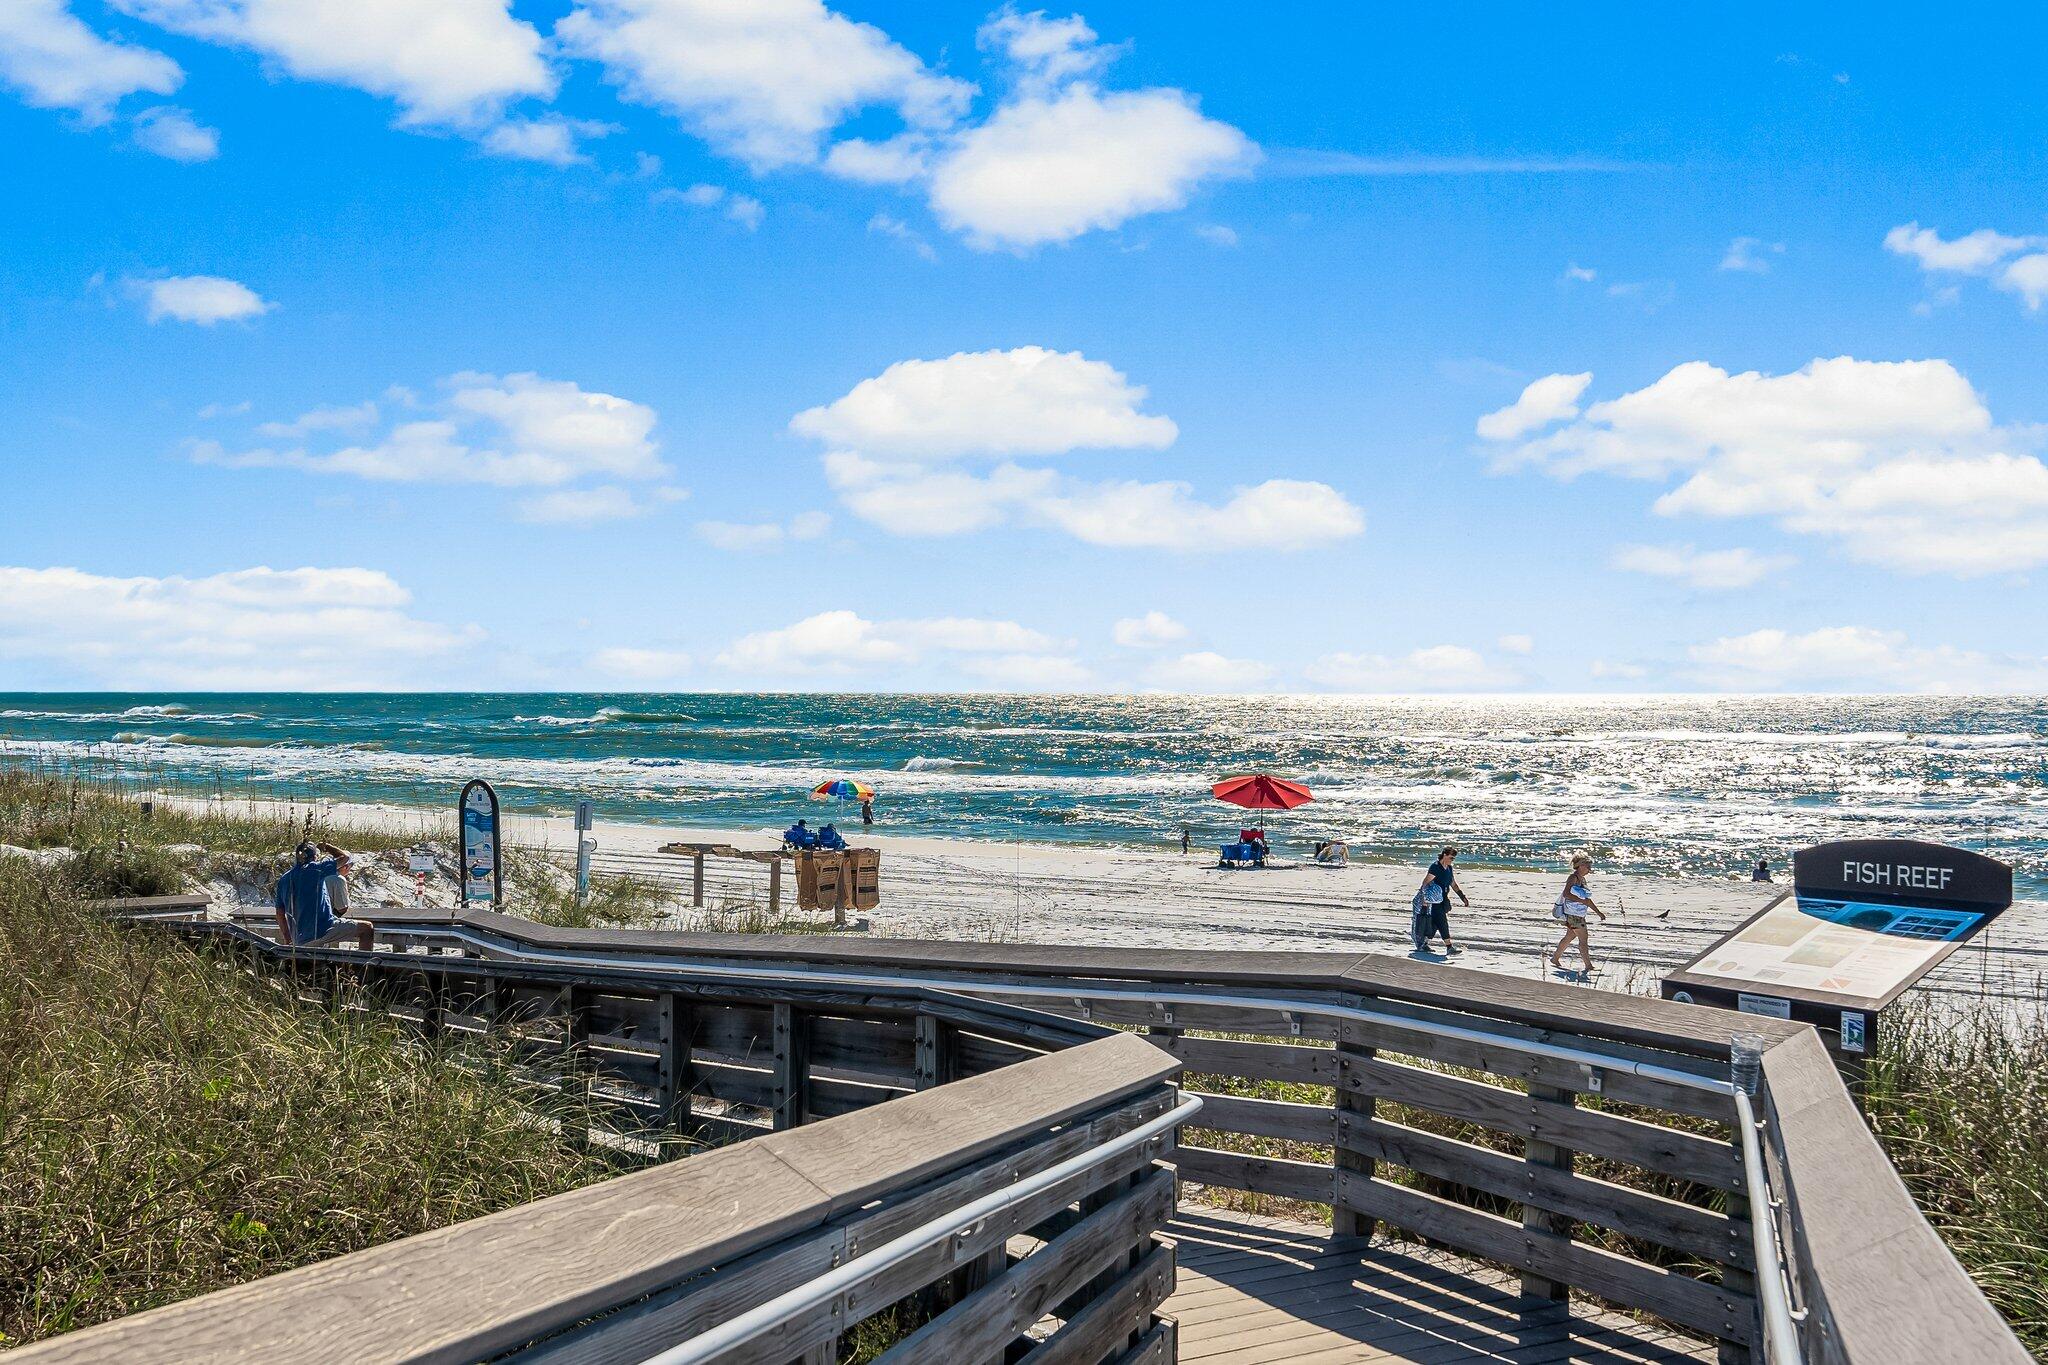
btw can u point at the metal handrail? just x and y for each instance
(970, 986)
(733, 1332)
(1780, 1323)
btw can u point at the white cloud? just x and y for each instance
(452, 63)
(1027, 401)
(1436, 668)
(1549, 399)
(354, 417)
(257, 628)
(2018, 265)
(1032, 401)
(1207, 671)
(1150, 631)
(512, 431)
(171, 132)
(55, 61)
(1973, 253)
(203, 299)
(552, 138)
(898, 161)
(589, 506)
(1029, 672)
(764, 81)
(1580, 274)
(888, 225)
(1215, 234)
(649, 668)
(1751, 255)
(742, 536)
(1625, 672)
(1047, 168)
(1858, 658)
(743, 209)
(1703, 569)
(844, 642)
(1044, 52)
(1899, 461)
(913, 500)
(1516, 644)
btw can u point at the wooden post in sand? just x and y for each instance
(697, 878)
(775, 887)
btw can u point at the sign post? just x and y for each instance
(483, 874)
(584, 846)
(1865, 920)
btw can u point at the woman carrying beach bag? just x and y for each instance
(1572, 904)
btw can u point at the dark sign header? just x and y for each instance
(1902, 869)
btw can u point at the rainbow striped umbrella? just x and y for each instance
(842, 789)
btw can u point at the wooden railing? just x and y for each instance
(1584, 1138)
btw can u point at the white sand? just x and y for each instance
(1064, 893)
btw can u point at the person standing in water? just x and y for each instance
(1184, 835)
(867, 813)
(1439, 880)
(1572, 905)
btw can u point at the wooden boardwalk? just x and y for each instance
(1253, 1290)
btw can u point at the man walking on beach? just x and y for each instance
(1438, 882)
(306, 913)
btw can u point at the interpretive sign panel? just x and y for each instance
(483, 877)
(1866, 918)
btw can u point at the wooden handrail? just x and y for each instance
(1877, 1284)
(495, 1283)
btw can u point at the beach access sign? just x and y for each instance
(483, 876)
(1864, 921)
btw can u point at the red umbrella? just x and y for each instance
(1256, 791)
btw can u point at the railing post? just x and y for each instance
(792, 1067)
(1352, 1107)
(1537, 1152)
(930, 1046)
(676, 1026)
(1741, 1281)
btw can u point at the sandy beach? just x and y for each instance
(1043, 893)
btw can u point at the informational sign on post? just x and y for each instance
(584, 845)
(483, 876)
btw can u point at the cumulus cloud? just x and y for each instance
(1550, 399)
(2018, 265)
(258, 629)
(746, 536)
(171, 132)
(844, 643)
(1207, 671)
(1751, 255)
(551, 138)
(764, 81)
(453, 63)
(589, 506)
(509, 431)
(54, 61)
(743, 209)
(201, 299)
(919, 414)
(1151, 631)
(1027, 401)
(1858, 659)
(1704, 569)
(1436, 668)
(1516, 644)
(1045, 168)
(896, 161)
(1899, 461)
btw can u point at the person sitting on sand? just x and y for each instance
(1439, 880)
(306, 914)
(1572, 905)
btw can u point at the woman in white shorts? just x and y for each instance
(1572, 906)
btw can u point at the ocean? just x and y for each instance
(1682, 785)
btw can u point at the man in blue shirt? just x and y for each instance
(305, 912)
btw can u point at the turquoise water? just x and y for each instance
(1675, 785)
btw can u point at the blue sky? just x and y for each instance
(632, 344)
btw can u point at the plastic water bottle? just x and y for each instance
(1746, 1061)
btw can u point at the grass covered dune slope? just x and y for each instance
(168, 1127)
